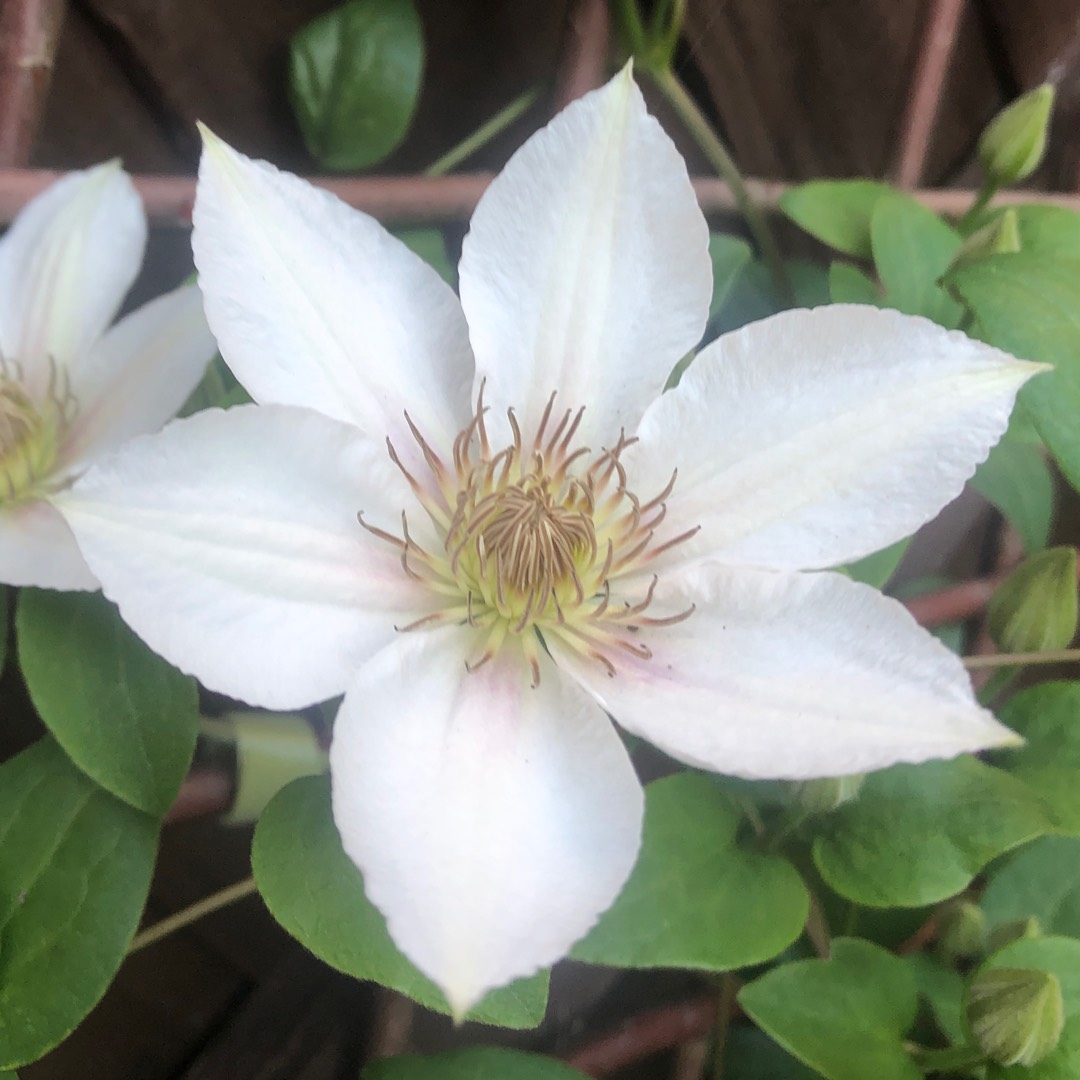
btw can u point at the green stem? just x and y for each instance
(631, 24)
(729, 987)
(483, 134)
(699, 127)
(190, 914)
(989, 190)
(949, 1060)
(817, 929)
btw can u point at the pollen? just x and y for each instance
(537, 538)
(31, 430)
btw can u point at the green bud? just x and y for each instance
(1015, 1014)
(999, 237)
(827, 793)
(1035, 607)
(1013, 145)
(961, 931)
(1007, 932)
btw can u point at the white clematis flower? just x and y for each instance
(71, 388)
(543, 536)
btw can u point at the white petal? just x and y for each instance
(586, 267)
(789, 676)
(65, 265)
(38, 549)
(815, 437)
(316, 304)
(231, 545)
(493, 822)
(139, 374)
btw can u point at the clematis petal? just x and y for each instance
(316, 304)
(139, 374)
(231, 545)
(493, 821)
(789, 676)
(37, 548)
(65, 265)
(586, 268)
(815, 437)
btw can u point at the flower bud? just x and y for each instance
(826, 794)
(1013, 145)
(999, 237)
(1015, 1014)
(1007, 932)
(1035, 608)
(961, 931)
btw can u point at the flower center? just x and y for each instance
(538, 538)
(30, 431)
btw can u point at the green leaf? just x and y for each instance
(315, 892)
(920, 833)
(127, 718)
(943, 990)
(729, 255)
(845, 1016)
(476, 1063)
(75, 866)
(1040, 881)
(1048, 716)
(354, 79)
(1049, 231)
(1061, 957)
(1016, 479)
(695, 899)
(751, 1055)
(849, 285)
(912, 249)
(752, 296)
(809, 281)
(430, 245)
(876, 569)
(1029, 305)
(837, 212)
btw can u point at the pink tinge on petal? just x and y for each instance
(493, 821)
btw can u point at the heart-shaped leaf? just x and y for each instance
(695, 899)
(354, 79)
(75, 866)
(127, 718)
(846, 1016)
(917, 834)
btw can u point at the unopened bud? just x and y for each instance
(999, 237)
(826, 794)
(1006, 933)
(1013, 145)
(1015, 1014)
(961, 931)
(1035, 608)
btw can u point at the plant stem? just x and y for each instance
(699, 127)
(484, 133)
(729, 987)
(191, 914)
(949, 1060)
(996, 660)
(817, 929)
(986, 193)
